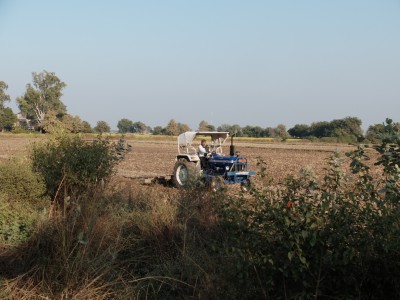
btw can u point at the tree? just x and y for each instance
(211, 127)
(183, 128)
(140, 127)
(281, 131)
(300, 130)
(124, 125)
(236, 129)
(102, 127)
(41, 97)
(321, 129)
(203, 126)
(3, 96)
(7, 119)
(86, 128)
(51, 123)
(224, 128)
(172, 128)
(73, 124)
(158, 130)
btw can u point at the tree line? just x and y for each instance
(41, 109)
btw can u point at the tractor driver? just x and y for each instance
(203, 153)
(203, 148)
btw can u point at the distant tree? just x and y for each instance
(224, 128)
(102, 127)
(86, 128)
(51, 123)
(232, 129)
(300, 131)
(258, 132)
(7, 119)
(270, 132)
(247, 130)
(73, 124)
(253, 131)
(44, 95)
(140, 127)
(281, 131)
(352, 128)
(3, 96)
(375, 133)
(321, 129)
(211, 127)
(236, 129)
(172, 128)
(183, 128)
(124, 126)
(203, 126)
(158, 130)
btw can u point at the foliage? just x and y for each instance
(41, 97)
(7, 119)
(71, 165)
(172, 128)
(102, 127)
(344, 130)
(337, 239)
(21, 199)
(3, 96)
(124, 125)
(203, 126)
(158, 130)
(19, 182)
(140, 127)
(73, 124)
(183, 128)
(86, 127)
(376, 133)
(16, 222)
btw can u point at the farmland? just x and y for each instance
(154, 157)
(136, 238)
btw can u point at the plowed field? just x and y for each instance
(155, 157)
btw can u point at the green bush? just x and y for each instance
(17, 221)
(72, 166)
(336, 239)
(19, 182)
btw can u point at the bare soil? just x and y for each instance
(151, 158)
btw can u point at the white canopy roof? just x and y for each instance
(187, 137)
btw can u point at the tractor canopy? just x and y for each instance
(185, 140)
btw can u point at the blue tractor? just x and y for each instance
(214, 168)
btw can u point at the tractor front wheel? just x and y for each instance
(186, 173)
(245, 185)
(216, 184)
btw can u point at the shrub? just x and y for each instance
(72, 166)
(336, 239)
(21, 200)
(16, 223)
(19, 182)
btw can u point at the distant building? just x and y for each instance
(24, 122)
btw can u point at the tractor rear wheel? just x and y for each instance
(186, 173)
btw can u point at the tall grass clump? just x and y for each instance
(169, 254)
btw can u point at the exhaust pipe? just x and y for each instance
(232, 146)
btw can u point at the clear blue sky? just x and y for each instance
(259, 63)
